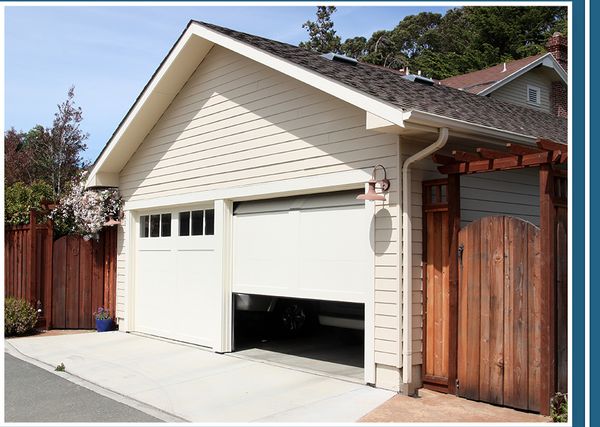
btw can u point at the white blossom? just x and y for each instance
(84, 211)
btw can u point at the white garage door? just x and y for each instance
(175, 287)
(313, 246)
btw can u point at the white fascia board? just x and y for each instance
(150, 105)
(376, 123)
(460, 126)
(547, 60)
(330, 86)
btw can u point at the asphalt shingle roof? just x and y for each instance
(390, 86)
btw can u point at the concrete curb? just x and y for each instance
(126, 400)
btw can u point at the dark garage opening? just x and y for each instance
(313, 335)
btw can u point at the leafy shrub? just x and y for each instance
(559, 408)
(19, 317)
(20, 199)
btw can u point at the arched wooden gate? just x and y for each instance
(499, 312)
(496, 291)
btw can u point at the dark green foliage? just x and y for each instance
(60, 367)
(463, 40)
(19, 199)
(559, 408)
(321, 34)
(19, 317)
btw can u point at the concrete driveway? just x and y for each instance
(198, 385)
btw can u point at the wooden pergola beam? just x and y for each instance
(521, 149)
(504, 163)
(488, 153)
(440, 159)
(463, 156)
(548, 145)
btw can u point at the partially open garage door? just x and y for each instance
(314, 246)
(175, 285)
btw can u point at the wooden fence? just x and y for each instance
(66, 279)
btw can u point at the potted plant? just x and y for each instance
(103, 320)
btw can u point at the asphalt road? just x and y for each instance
(35, 395)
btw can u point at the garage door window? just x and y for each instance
(155, 225)
(197, 223)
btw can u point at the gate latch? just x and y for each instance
(461, 248)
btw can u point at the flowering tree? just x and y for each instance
(84, 211)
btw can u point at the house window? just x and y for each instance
(533, 95)
(155, 225)
(197, 223)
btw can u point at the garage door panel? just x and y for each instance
(310, 250)
(176, 293)
(264, 256)
(150, 297)
(198, 294)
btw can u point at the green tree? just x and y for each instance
(322, 37)
(462, 40)
(20, 198)
(355, 47)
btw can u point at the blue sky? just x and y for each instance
(109, 53)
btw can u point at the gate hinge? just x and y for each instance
(457, 385)
(461, 248)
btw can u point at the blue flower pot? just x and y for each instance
(104, 325)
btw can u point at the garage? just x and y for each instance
(301, 279)
(175, 277)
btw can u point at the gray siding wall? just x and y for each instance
(515, 91)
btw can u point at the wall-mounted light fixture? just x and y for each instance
(384, 184)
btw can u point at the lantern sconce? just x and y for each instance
(384, 184)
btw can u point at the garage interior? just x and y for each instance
(300, 280)
(314, 345)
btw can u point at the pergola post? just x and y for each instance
(453, 229)
(548, 289)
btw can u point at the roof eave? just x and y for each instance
(548, 57)
(458, 127)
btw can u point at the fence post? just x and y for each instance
(32, 259)
(547, 294)
(48, 265)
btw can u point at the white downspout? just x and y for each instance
(407, 256)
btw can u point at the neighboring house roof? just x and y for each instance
(484, 81)
(377, 90)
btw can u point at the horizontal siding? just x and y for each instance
(121, 275)
(514, 193)
(515, 91)
(237, 123)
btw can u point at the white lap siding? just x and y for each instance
(237, 123)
